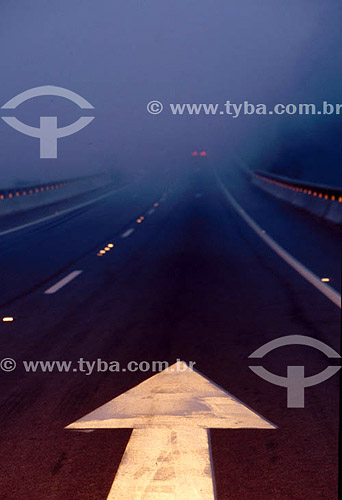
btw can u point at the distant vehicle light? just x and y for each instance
(203, 153)
(194, 153)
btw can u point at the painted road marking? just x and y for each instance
(63, 282)
(62, 212)
(306, 273)
(168, 455)
(127, 233)
(151, 211)
(165, 463)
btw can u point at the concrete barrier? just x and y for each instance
(25, 198)
(323, 201)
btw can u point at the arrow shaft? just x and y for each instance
(165, 464)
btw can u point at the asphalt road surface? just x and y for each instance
(192, 281)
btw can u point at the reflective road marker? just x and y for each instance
(63, 282)
(168, 455)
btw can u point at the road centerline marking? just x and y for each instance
(61, 283)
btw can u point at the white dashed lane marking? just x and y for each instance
(127, 233)
(60, 284)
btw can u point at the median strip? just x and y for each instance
(60, 213)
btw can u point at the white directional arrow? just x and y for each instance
(168, 455)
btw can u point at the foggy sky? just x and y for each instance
(120, 54)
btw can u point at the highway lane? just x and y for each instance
(304, 235)
(41, 251)
(192, 282)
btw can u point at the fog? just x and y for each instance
(119, 55)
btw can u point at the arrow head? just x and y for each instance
(175, 397)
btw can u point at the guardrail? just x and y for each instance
(324, 201)
(18, 199)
